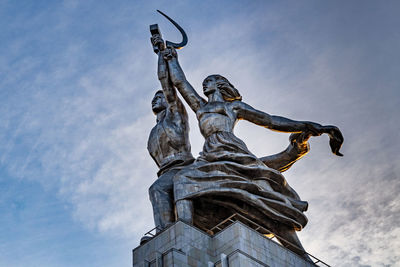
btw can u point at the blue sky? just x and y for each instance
(76, 81)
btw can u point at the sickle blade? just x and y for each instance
(184, 36)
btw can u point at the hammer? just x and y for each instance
(159, 46)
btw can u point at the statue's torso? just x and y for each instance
(216, 117)
(169, 141)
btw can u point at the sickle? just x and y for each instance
(184, 36)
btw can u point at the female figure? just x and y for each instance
(227, 177)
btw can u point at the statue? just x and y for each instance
(227, 178)
(168, 145)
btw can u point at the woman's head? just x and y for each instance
(220, 83)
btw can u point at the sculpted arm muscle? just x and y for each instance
(184, 87)
(283, 124)
(276, 123)
(297, 148)
(166, 84)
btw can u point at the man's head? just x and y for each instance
(158, 103)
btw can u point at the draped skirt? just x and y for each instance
(227, 178)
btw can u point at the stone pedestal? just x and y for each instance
(237, 245)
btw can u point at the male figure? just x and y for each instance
(168, 145)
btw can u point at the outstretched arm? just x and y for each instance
(276, 123)
(282, 124)
(297, 148)
(179, 81)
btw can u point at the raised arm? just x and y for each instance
(179, 81)
(282, 124)
(166, 84)
(174, 103)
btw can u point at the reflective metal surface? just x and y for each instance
(226, 178)
(168, 145)
(184, 36)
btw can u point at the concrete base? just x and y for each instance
(237, 245)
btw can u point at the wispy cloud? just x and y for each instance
(77, 85)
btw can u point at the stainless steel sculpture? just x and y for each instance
(227, 178)
(168, 145)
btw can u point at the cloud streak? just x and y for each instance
(78, 83)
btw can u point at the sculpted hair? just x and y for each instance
(159, 92)
(228, 91)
